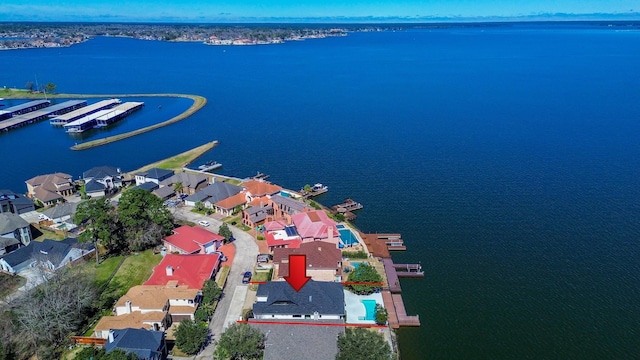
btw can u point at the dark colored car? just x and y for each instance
(246, 277)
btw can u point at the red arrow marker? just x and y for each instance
(297, 272)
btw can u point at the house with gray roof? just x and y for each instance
(317, 300)
(61, 213)
(154, 175)
(15, 203)
(145, 344)
(13, 226)
(8, 244)
(284, 207)
(256, 215)
(212, 194)
(191, 183)
(102, 179)
(50, 255)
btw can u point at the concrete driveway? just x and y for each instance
(230, 306)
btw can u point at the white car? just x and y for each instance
(203, 223)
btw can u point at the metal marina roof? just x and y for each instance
(25, 106)
(88, 118)
(84, 110)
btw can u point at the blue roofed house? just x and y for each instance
(50, 255)
(317, 300)
(212, 194)
(13, 227)
(154, 175)
(15, 203)
(145, 344)
(101, 180)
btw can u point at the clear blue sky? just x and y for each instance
(233, 10)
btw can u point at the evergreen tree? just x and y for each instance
(362, 344)
(240, 342)
(190, 336)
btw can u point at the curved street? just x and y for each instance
(229, 308)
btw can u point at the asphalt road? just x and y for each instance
(230, 306)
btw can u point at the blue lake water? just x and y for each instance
(508, 157)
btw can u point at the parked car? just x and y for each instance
(203, 223)
(246, 277)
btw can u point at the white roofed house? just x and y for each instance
(154, 175)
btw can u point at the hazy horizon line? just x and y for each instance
(223, 19)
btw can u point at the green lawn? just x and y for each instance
(105, 269)
(134, 271)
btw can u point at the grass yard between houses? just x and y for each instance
(135, 269)
(10, 283)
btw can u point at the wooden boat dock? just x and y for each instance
(409, 270)
(315, 190)
(348, 205)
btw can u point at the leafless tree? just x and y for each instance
(46, 315)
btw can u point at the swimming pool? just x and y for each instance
(370, 308)
(347, 237)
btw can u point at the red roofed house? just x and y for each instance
(257, 188)
(279, 235)
(192, 240)
(316, 226)
(227, 206)
(324, 261)
(190, 270)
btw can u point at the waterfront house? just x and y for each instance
(101, 180)
(192, 240)
(316, 226)
(49, 255)
(15, 203)
(212, 194)
(323, 259)
(144, 344)
(189, 183)
(285, 207)
(317, 300)
(51, 188)
(154, 175)
(190, 270)
(13, 226)
(259, 188)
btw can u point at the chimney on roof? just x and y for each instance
(110, 336)
(127, 306)
(169, 270)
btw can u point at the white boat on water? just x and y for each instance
(319, 187)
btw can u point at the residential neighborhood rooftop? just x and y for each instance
(190, 270)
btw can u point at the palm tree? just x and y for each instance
(177, 187)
